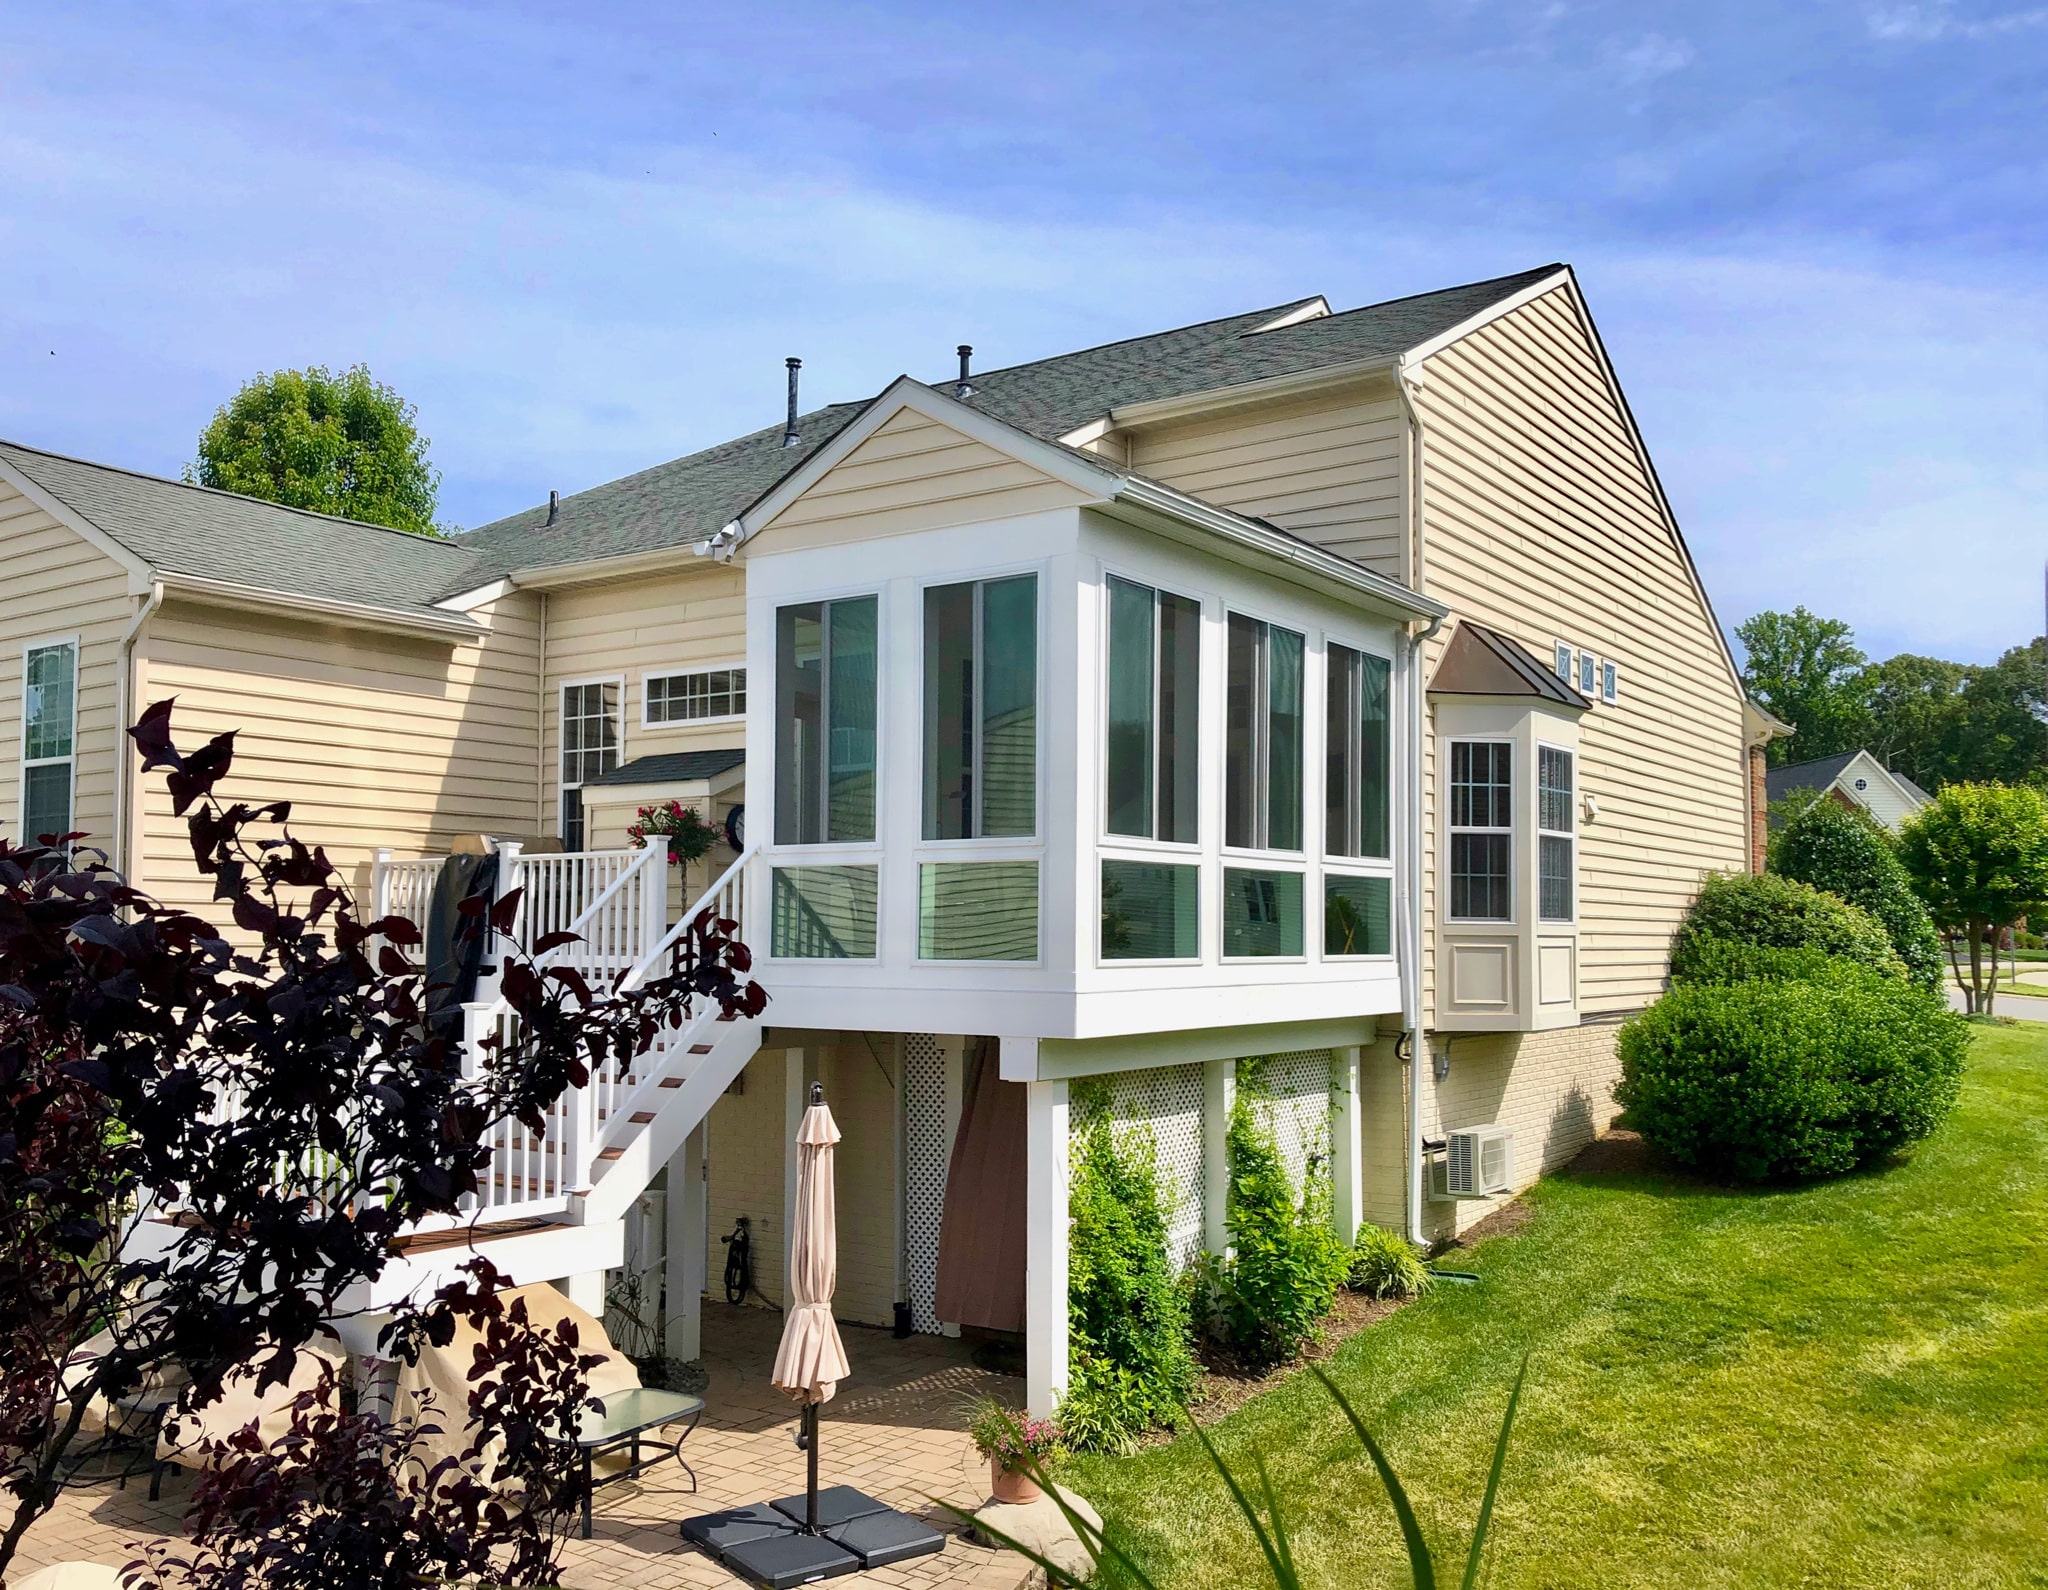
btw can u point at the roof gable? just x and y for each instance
(222, 538)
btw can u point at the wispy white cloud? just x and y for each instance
(1938, 19)
(1645, 59)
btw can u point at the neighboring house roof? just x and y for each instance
(689, 499)
(671, 767)
(1824, 772)
(224, 537)
(1478, 661)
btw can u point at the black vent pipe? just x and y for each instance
(789, 435)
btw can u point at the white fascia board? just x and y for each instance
(652, 790)
(547, 576)
(906, 392)
(1267, 388)
(140, 574)
(360, 615)
(1316, 308)
(1264, 548)
(1486, 316)
(481, 596)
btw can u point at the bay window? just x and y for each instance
(1482, 830)
(825, 654)
(48, 739)
(1262, 736)
(981, 709)
(1151, 768)
(1555, 844)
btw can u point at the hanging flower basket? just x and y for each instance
(687, 834)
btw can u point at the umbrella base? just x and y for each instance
(767, 1544)
(785, 1560)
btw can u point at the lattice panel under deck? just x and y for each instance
(1293, 1096)
(925, 1153)
(1167, 1101)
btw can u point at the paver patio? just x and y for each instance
(894, 1430)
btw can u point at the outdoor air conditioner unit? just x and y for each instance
(1478, 1162)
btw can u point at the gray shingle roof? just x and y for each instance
(221, 535)
(1820, 773)
(671, 767)
(690, 498)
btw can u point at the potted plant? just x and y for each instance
(689, 836)
(1011, 1442)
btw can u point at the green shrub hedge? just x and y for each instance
(1132, 1344)
(1775, 913)
(1286, 1262)
(1847, 854)
(1779, 1080)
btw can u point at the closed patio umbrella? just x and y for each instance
(811, 1361)
(787, 1542)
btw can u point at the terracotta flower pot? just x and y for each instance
(1011, 1485)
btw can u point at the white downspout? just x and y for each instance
(1411, 903)
(124, 693)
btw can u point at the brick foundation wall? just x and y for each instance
(1555, 1090)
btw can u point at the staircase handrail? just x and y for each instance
(640, 973)
(649, 854)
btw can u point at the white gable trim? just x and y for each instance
(1411, 370)
(907, 393)
(1492, 312)
(140, 574)
(1315, 309)
(1866, 764)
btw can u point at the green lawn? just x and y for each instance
(1839, 1386)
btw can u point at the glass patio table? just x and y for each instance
(629, 1419)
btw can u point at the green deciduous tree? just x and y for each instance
(1916, 709)
(2003, 735)
(1806, 670)
(335, 443)
(1978, 855)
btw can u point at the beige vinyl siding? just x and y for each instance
(1326, 467)
(53, 584)
(914, 474)
(1541, 519)
(678, 622)
(376, 739)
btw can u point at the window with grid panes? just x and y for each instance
(1555, 843)
(1482, 830)
(590, 748)
(691, 698)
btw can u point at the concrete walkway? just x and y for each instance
(894, 1430)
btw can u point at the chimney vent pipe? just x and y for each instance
(789, 435)
(554, 506)
(963, 388)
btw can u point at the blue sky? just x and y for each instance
(582, 239)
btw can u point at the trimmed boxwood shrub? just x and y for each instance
(1783, 1080)
(1776, 913)
(1845, 852)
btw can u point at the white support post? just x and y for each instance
(1045, 1247)
(586, 1291)
(653, 906)
(683, 1277)
(1219, 1096)
(1347, 1143)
